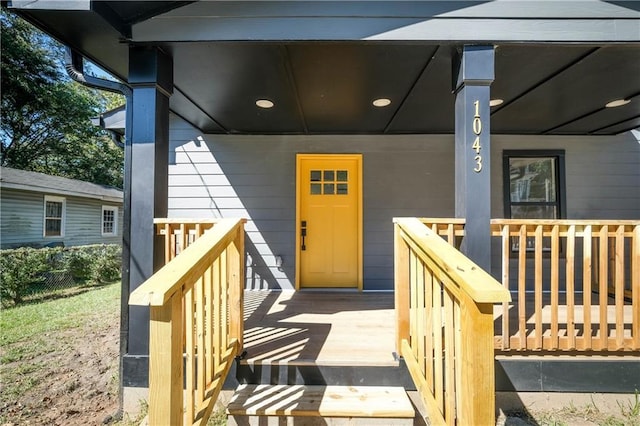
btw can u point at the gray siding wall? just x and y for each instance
(602, 182)
(403, 175)
(22, 221)
(254, 177)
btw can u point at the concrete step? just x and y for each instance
(320, 405)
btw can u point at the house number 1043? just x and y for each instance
(477, 129)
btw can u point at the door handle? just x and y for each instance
(303, 234)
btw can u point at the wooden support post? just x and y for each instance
(401, 274)
(235, 261)
(165, 363)
(476, 324)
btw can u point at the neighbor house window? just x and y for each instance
(54, 216)
(534, 184)
(109, 220)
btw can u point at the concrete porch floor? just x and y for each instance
(321, 327)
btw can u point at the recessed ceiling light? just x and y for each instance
(617, 103)
(496, 102)
(264, 103)
(381, 102)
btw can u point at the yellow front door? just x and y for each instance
(329, 225)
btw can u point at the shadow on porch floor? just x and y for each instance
(331, 328)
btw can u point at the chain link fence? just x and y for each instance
(29, 273)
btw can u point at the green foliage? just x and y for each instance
(46, 118)
(20, 269)
(107, 263)
(24, 270)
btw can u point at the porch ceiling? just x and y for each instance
(328, 87)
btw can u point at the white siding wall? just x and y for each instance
(403, 175)
(21, 218)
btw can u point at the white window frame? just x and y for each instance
(53, 199)
(114, 232)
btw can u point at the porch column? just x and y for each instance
(146, 178)
(473, 73)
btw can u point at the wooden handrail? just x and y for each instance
(196, 322)
(549, 255)
(444, 308)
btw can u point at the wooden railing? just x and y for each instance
(180, 233)
(444, 308)
(196, 324)
(583, 277)
(452, 230)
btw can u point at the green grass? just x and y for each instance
(29, 332)
(33, 322)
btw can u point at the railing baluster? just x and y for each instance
(208, 294)
(420, 317)
(413, 325)
(437, 344)
(458, 361)
(225, 301)
(217, 318)
(174, 242)
(603, 286)
(190, 352)
(587, 286)
(167, 244)
(619, 286)
(538, 287)
(449, 353)
(555, 287)
(506, 250)
(200, 334)
(522, 287)
(635, 287)
(183, 237)
(570, 278)
(428, 297)
(451, 234)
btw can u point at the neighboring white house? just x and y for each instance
(39, 210)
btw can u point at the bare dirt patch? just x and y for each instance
(66, 376)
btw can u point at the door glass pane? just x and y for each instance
(342, 189)
(316, 176)
(329, 175)
(532, 179)
(342, 176)
(328, 188)
(316, 189)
